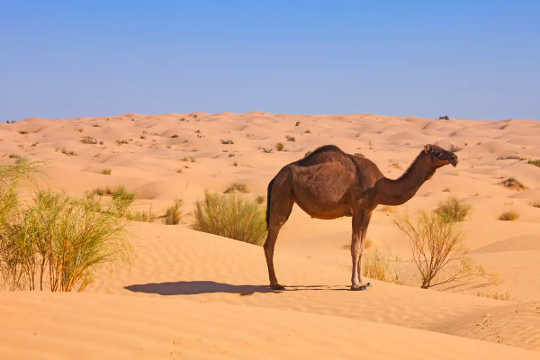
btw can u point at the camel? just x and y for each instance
(329, 183)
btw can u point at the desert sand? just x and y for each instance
(191, 295)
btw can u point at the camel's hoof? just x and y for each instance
(277, 287)
(360, 287)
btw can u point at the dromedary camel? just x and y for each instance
(330, 183)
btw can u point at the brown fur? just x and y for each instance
(330, 183)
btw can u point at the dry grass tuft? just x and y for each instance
(89, 140)
(513, 183)
(376, 265)
(143, 216)
(509, 216)
(437, 248)
(237, 187)
(174, 213)
(280, 146)
(68, 152)
(534, 162)
(290, 138)
(535, 203)
(106, 171)
(494, 295)
(510, 157)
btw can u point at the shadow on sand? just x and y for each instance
(209, 287)
(196, 287)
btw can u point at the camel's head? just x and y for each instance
(440, 157)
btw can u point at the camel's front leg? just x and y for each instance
(360, 223)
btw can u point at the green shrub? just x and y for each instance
(173, 214)
(106, 172)
(58, 241)
(509, 216)
(534, 162)
(232, 217)
(453, 210)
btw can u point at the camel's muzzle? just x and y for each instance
(454, 160)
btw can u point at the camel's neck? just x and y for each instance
(396, 192)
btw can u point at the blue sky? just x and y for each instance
(469, 59)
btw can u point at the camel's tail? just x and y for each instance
(268, 202)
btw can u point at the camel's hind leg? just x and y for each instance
(280, 203)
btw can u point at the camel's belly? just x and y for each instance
(326, 213)
(323, 191)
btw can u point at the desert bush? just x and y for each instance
(58, 241)
(290, 138)
(494, 295)
(231, 216)
(509, 216)
(453, 210)
(121, 199)
(513, 183)
(89, 140)
(534, 162)
(376, 265)
(510, 157)
(280, 146)
(10, 176)
(68, 152)
(237, 187)
(260, 199)
(173, 214)
(535, 203)
(436, 245)
(106, 172)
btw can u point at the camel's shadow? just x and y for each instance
(196, 287)
(209, 287)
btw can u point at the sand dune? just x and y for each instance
(188, 294)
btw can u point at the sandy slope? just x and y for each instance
(193, 295)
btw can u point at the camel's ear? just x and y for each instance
(427, 148)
